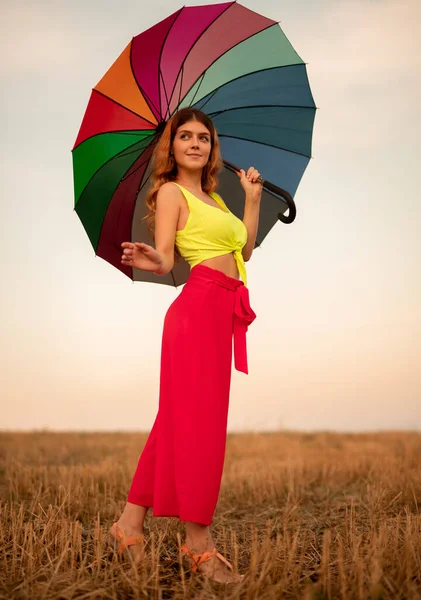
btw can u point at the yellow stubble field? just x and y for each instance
(305, 515)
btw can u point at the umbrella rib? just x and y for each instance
(181, 87)
(139, 166)
(125, 107)
(234, 137)
(159, 65)
(127, 151)
(228, 50)
(191, 48)
(142, 91)
(247, 75)
(166, 96)
(122, 153)
(139, 189)
(211, 95)
(142, 185)
(108, 205)
(225, 110)
(198, 87)
(121, 204)
(173, 278)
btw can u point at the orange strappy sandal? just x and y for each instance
(198, 559)
(122, 540)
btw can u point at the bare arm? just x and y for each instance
(253, 191)
(159, 260)
(166, 219)
(251, 221)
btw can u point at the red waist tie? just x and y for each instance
(243, 314)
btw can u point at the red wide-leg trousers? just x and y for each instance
(180, 469)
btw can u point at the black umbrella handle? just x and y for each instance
(276, 191)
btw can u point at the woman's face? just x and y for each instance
(192, 145)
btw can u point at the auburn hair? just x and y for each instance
(164, 166)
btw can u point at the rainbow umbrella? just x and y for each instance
(224, 59)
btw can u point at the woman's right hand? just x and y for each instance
(141, 256)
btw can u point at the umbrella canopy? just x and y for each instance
(233, 64)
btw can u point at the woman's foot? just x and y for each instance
(123, 536)
(127, 532)
(215, 567)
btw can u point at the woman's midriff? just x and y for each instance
(225, 263)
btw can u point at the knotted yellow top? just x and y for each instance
(211, 231)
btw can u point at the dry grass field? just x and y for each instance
(309, 516)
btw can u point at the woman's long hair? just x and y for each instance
(165, 168)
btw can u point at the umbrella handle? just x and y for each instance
(276, 191)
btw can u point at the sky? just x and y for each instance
(336, 344)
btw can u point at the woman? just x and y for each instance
(180, 469)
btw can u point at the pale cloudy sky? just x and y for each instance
(337, 340)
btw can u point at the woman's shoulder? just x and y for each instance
(169, 191)
(169, 187)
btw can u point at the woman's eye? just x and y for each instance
(203, 138)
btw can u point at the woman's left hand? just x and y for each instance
(250, 184)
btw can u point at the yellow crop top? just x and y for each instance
(210, 232)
